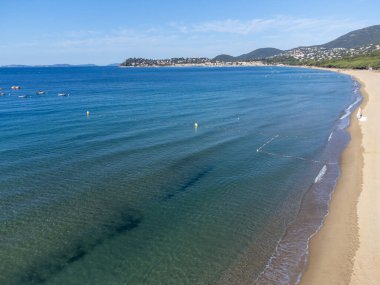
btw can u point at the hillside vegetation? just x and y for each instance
(371, 60)
(358, 62)
(253, 55)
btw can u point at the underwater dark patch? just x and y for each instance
(121, 223)
(79, 253)
(188, 183)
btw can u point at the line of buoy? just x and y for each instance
(260, 149)
(267, 142)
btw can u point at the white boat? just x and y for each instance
(16, 87)
(23, 96)
(39, 92)
(2, 94)
(63, 94)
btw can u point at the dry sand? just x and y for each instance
(347, 248)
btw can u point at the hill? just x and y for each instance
(366, 36)
(224, 57)
(259, 54)
(253, 55)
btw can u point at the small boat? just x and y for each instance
(39, 92)
(2, 94)
(16, 87)
(63, 94)
(23, 96)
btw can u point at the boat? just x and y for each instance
(39, 92)
(63, 94)
(16, 87)
(2, 94)
(23, 96)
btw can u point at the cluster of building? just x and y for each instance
(320, 53)
(144, 62)
(201, 61)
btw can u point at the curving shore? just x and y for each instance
(347, 250)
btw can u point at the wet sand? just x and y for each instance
(347, 248)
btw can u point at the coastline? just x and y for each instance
(346, 249)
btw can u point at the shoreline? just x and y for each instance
(345, 250)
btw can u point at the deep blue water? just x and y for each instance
(135, 194)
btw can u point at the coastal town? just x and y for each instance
(181, 61)
(317, 53)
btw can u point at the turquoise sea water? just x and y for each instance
(135, 194)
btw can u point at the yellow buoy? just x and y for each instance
(196, 125)
(88, 113)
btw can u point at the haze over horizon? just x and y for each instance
(51, 32)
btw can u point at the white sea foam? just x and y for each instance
(345, 115)
(348, 111)
(353, 104)
(320, 175)
(330, 136)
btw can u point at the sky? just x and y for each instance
(34, 32)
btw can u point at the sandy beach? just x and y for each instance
(347, 250)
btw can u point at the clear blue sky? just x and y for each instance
(108, 31)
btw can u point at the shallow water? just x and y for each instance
(135, 194)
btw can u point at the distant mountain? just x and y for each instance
(358, 49)
(259, 53)
(366, 36)
(67, 65)
(14, 65)
(52, 65)
(253, 55)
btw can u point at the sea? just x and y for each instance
(187, 175)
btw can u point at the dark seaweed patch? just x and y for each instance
(125, 222)
(42, 270)
(188, 183)
(78, 254)
(130, 225)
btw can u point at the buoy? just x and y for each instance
(88, 113)
(196, 125)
